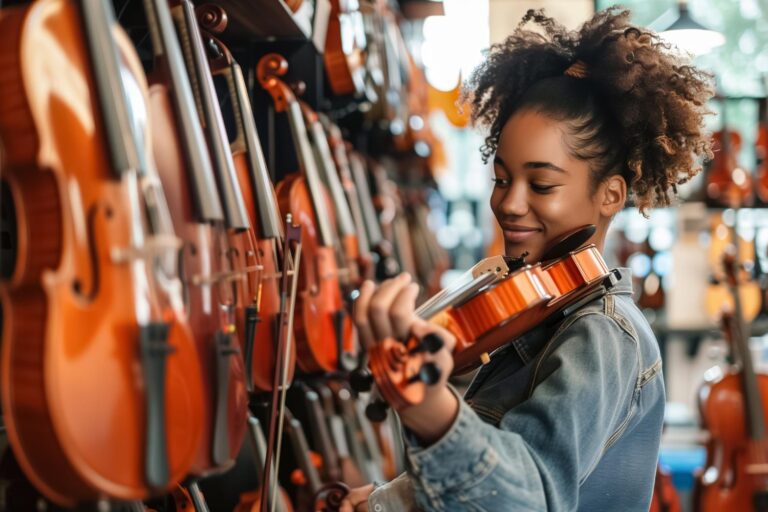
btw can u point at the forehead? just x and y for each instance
(530, 136)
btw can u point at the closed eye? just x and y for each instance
(542, 189)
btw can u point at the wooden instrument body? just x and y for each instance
(665, 497)
(72, 387)
(209, 292)
(726, 483)
(268, 293)
(344, 54)
(488, 320)
(319, 297)
(727, 184)
(761, 149)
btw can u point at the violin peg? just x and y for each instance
(376, 411)
(429, 374)
(361, 380)
(485, 358)
(430, 343)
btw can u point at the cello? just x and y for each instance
(95, 290)
(323, 328)
(186, 171)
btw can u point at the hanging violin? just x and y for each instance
(734, 412)
(761, 150)
(323, 329)
(186, 171)
(100, 380)
(253, 176)
(728, 183)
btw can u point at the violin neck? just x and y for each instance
(370, 218)
(118, 120)
(235, 214)
(165, 44)
(266, 201)
(311, 172)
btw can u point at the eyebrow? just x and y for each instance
(532, 165)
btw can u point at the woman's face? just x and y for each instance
(541, 191)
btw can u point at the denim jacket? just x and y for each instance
(565, 418)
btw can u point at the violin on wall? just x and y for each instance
(323, 329)
(95, 290)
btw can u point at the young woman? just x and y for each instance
(567, 417)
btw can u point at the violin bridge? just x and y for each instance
(757, 469)
(154, 246)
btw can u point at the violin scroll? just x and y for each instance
(269, 70)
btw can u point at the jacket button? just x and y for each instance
(377, 507)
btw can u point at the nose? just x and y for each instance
(515, 201)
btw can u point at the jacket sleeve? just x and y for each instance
(544, 447)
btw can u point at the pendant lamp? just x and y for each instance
(680, 29)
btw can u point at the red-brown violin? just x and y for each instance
(323, 329)
(261, 318)
(221, 358)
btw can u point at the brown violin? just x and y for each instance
(261, 317)
(728, 184)
(238, 284)
(100, 379)
(761, 151)
(187, 173)
(344, 54)
(733, 410)
(323, 329)
(497, 304)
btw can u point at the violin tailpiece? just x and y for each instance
(154, 351)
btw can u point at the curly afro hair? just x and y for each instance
(638, 112)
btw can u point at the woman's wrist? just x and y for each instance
(432, 418)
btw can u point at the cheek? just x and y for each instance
(566, 208)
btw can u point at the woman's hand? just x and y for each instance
(357, 499)
(389, 312)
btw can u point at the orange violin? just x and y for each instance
(323, 329)
(261, 318)
(728, 184)
(733, 409)
(100, 379)
(222, 360)
(497, 305)
(344, 54)
(761, 150)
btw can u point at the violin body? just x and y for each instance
(319, 297)
(665, 497)
(761, 149)
(725, 483)
(268, 295)
(73, 393)
(344, 54)
(727, 183)
(495, 314)
(209, 295)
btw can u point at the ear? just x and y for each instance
(612, 195)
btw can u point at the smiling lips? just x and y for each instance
(517, 234)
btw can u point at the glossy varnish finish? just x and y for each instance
(319, 301)
(73, 390)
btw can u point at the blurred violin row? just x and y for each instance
(177, 284)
